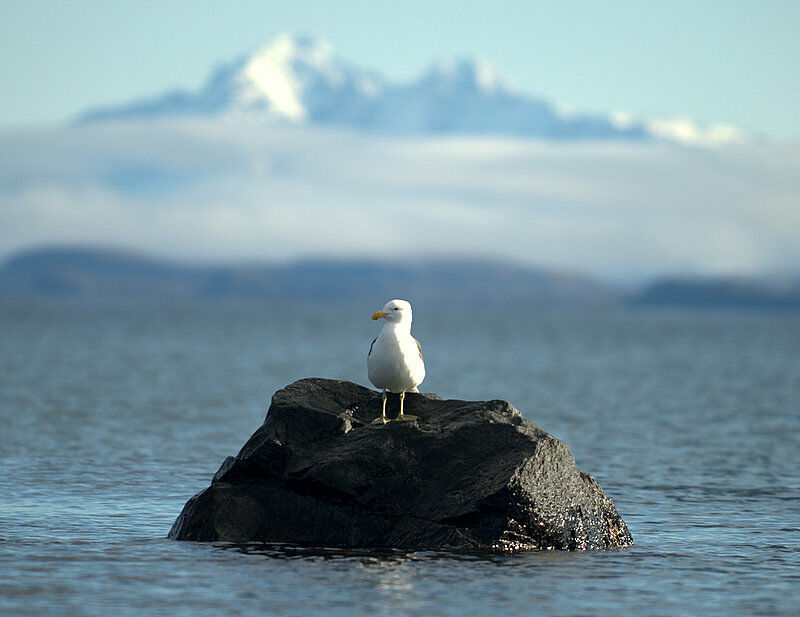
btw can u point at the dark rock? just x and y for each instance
(465, 475)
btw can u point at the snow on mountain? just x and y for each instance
(684, 131)
(292, 79)
(300, 80)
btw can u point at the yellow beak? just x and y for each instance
(379, 314)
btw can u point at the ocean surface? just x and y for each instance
(113, 414)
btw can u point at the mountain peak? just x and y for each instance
(287, 50)
(298, 79)
(467, 74)
(294, 76)
(299, 44)
(271, 79)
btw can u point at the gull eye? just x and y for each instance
(396, 308)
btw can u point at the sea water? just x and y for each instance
(112, 414)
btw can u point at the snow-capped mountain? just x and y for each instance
(292, 79)
(300, 80)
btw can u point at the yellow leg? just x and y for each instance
(401, 416)
(382, 419)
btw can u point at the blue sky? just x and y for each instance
(715, 61)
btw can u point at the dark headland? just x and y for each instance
(467, 475)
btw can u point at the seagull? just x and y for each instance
(394, 361)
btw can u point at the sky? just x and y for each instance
(729, 62)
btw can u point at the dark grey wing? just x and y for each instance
(418, 347)
(369, 353)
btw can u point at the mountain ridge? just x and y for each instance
(105, 272)
(300, 80)
(71, 271)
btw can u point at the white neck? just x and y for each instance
(397, 327)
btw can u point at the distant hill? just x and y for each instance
(96, 272)
(108, 273)
(300, 81)
(721, 292)
(82, 272)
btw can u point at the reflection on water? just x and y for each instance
(380, 558)
(113, 414)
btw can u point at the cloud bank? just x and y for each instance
(226, 191)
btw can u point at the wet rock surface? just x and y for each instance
(472, 475)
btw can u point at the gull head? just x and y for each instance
(394, 311)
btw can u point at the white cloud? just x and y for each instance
(224, 191)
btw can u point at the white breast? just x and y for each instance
(395, 362)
